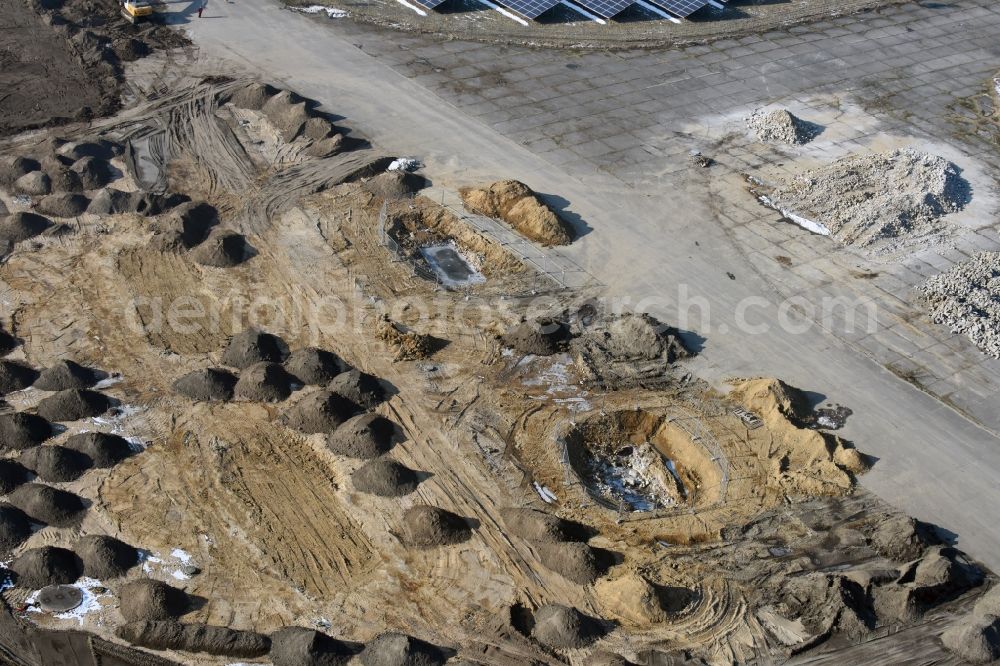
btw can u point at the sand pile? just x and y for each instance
(633, 600)
(63, 205)
(385, 478)
(111, 201)
(64, 179)
(320, 411)
(317, 129)
(263, 382)
(208, 639)
(562, 627)
(577, 562)
(364, 436)
(104, 449)
(288, 112)
(781, 126)
(223, 249)
(394, 184)
(21, 430)
(298, 646)
(543, 336)
(21, 226)
(148, 600)
(12, 168)
(883, 201)
(7, 342)
(208, 385)
(899, 538)
(966, 299)
(187, 225)
(407, 345)
(48, 505)
(12, 475)
(942, 574)
(66, 375)
(55, 463)
(36, 184)
(328, 147)
(975, 639)
(428, 526)
(394, 649)
(15, 528)
(73, 404)
(38, 567)
(16, 376)
(314, 366)
(252, 346)
(515, 203)
(103, 149)
(105, 557)
(253, 96)
(94, 172)
(361, 388)
(827, 603)
(989, 603)
(535, 525)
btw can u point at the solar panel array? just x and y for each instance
(532, 9)
(681, 8)
(430, 4)
(606, 8)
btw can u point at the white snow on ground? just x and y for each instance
(172, 565)
(404, 164)
(332, 12)
(91, 600)
(110, 380)
(808, 225)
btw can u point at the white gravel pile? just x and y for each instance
(781, 126)
(966, 299)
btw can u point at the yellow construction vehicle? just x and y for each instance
(136, 10)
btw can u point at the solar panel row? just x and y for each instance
(681, 8)
(606, 8)
(532, 9)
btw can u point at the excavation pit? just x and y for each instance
(452, 268)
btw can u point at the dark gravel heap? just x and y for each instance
(38, 567)
(208, 385)
(16, 376)
(105, 557)
(363, 436)
(314, 366)
(250, 347)
(21, 430)
(15, 528)
(361, 388)
(48, 505)
(263, 382)
(320, 411)
(22, 225)
(395, 649)
(147, 600)
(208, 639)
(55, 463)
(385, 478)
(65, 375)
(73, 405)
(104, 449)
(428, 526)
(12, 474)
(298, 646)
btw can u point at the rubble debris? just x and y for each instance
(48, 505)
(385, 478)
(207, 385)
(149, 600)
(429, 526)
(781, 126)
(364, 436)
(105, 557)
(515, 203)
(966, 299)
(40, 567)
(562, 627)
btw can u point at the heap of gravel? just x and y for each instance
(147, 600)
(105, 557)
(385, 478)
(63, 204)
(104, 449)
(299, 646)
(73, 404)
(252, 346)
(364, 436)
(263, 382)
(253, 96)
(976, 638)
(64, 375)
(22, 225)
(35, 183)
(577, 562)
(94, 172)
(55, 463)
(395, 649)
(208, 639)
(21, 430)
(15, 376)
(223, 249)
(359, 387)
(313, 365)
(39, 567)
(15, 528)
(12, 475)
(535, 525)
(781, 126)
(48, 505)
(321, 411)
(429, 526)
(966, 299)
(543, 336)
(7, 342)
(563, 627)
(208, 385)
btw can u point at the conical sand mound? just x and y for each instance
(249, 347)
(263, 382)
(73, 404)
(21, 430)
(104, 449)
(361, 388)
(15, 376)
(15, 528)
(320, 411)
(48, 565)
(56, 463)
(208, 385)
(48, 505)
(363, 436)
(314, 366)
(428, 526)
(66, 375)
(385, 478)
(105, 557)
(150, 600)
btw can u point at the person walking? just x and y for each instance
(201, 7)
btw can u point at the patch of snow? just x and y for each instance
(809, 225)
(332, 12)
(404, 164)
(547, 495)
(110, 380)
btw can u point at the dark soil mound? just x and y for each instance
(15, 528)
(48, 505)
(48, 565)
(249, 347)
(535, 525)
(288, 112)
(64, 179)
(66, 375)
(208, 385)
(7, 342)
(563, 627)
(111, 202)
(298, 646)
(147, 600)
(64, 205)
(12, 475)
(20, 430)
(187, 225)
(36, 183)
(13, 168)
(328, 147)
(899, 538)
(104, 449)
(129, 49)
(223, 249)
(428, 526)
(149, 204)
(22, 226)
(393, 649)
(317, 129)
(105, 557)
(385, 478)
(363, 436)
(253, 96)
(577, 562)
(94, 172)
(975, 639)
(942, 574)
(169, 635)
(359, 387)
(263, 382)
(320, 411)
(15, 376)
(394, 184)
(314, 366)
(542, 337)
(55, 463)
(73, 404)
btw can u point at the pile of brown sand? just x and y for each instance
(38, 567)
(298, 646)
(253, 96)
(321, 411)
(263, 382)
(63, 205)
(94, 172)
(314, 366)
(7, 342)
(66, 375)
(391, 648)
(16, 376)
(12, 475)
(543, 337)
(899, 538)
(360, 388)
(975, 639)
(634, 601)
(21, 430)
(364, 436)
(105, 557)
(327, 147)
(577, 562)
(635, 337)
(515, 203)
(535, 525)
(208, 385)
(147, 600)
(317, 129)
(12, 168)
(204, 638)
(15, 528)
(104, 449)
(21, 226)
(288, 112)
(428, 526)
(36, 184)
(827, 603)
(64, 179)
(781, 126)
(385, 478)
(394, 184)
(407, 345)
(187, 225)
(55, 463)
(252, 346)
(565, 628)
(223, 249)
(73, 404)
(48, 505)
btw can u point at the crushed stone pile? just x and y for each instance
(543, 337)
(882, 202)
(385, 478)
(565, 628)
(104, 449)
(577, 562)
(223, 249)
(299, 646)
(39, 567)
(899, 538)
(975, 639)
(263, 382)
(36, 183)
(105, 557)
(966, 299)
(364, 436)
(535, 525)
(395, 649)
(633, 600)
(320, 411)
(203, 638)
(15, 528)
(55, 463)
(408, 345)
(288, 112)
(22, 225)
(252, 96)
(63, 205)
(515, 203)
(314, 366)
(21, 430)
(252, 346)
(394, 184)
(362, 389)
(73, 404)
(147, 600)
(16, 376)
(94, 172)
(429, 526)
(781, 126)
(12, 475)
(207, 385)
(48, 505)
(65, 375)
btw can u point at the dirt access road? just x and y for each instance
(933, 462)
